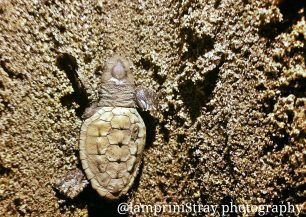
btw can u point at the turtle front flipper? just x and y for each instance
(90, 111)
(145, 99)
(72, 184)
(80, 84)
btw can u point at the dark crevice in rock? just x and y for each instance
(68, 64)
(296, 87)
(268, 105)
(168, 115)
(4, 170)
(181, 138)
(217, 3)
(98, 71)
(106, 210)
(261, 87)
(271, 30)
(179, 121)
(279, 141)
(150, 127)
(87, 58)
(290, 115)
(229, 166)
(163, 188)
(61, 28)
(296, 51)
(196, 45)
(290, 10)
(67, 148)
(224, 207)
(182, 8)
(186, 167)
(272, 75)
(246, 54)
(165, 132)
(11, 74)
(198, 94)
(147, 65)
(280, 180)
(193, 96)
(17, 204)
(285, 159)
(6, 106)
(292, 192)
(68, 99)
(2, 85)
(193, 158)
(267, 149)
(136, 182)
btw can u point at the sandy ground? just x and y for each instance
(231, 80)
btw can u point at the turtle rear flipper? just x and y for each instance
(72, 184)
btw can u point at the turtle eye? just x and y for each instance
(118, 71)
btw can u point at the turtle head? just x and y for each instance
(118, 71)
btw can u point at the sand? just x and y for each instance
(231, 83)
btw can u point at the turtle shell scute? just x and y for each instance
(111, 145)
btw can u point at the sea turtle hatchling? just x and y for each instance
(112, 136)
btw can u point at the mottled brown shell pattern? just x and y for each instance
(111, 145)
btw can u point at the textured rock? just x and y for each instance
(231, 82)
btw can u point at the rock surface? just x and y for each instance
(231, 81)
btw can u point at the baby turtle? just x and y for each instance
(112, 136)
